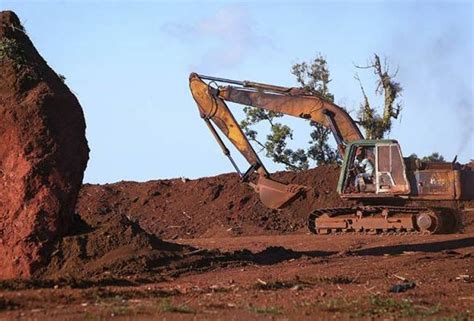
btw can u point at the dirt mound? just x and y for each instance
(211, 206)
(116, 231)
(43, 153)
(109, 246)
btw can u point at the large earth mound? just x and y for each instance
(117, 231)
(43, 153)
(211, 206)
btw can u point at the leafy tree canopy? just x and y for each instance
(314, 77)
(434, 157)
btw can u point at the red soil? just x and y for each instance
(211, 206)
(119, 226)
(43, 153)
(230, 259)
(115, 233)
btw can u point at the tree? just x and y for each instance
(434, 158)
(314, 77)
(375, 125)
(276, 144)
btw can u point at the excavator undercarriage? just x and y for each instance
(381, 219)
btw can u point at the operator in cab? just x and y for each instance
(364, 164)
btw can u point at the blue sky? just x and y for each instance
(128, 63)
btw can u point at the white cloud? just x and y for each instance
(229, 33)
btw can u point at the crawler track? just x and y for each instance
(378, 219)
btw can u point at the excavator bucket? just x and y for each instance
(275, 194)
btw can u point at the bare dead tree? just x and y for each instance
(375, 125)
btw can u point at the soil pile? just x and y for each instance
(210, 207)
(109, 245)
(116, 231)
(43, 153)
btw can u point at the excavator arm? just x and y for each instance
(290, 101)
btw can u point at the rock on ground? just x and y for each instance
(43, 153)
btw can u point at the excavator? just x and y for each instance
(401, 195)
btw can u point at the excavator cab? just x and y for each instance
(373, 169)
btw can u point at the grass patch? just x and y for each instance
(383, 306)
(122, 310)
(62, 78)
(375, 307)
(338, 279)
(463, 316)
(93, 317)
(10, 49)
(167, 306)
(99, 295)
(337, 305)
(267, 310)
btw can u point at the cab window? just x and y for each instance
(361, 173)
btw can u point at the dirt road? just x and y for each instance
(298, 276)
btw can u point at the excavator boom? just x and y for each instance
(295, 102)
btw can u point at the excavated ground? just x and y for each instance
(227, 257)
(211, 206)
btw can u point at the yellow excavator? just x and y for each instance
(398, 195)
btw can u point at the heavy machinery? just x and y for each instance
(402, 195)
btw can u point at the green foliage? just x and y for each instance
(62, 78)
(376, 306)
(319, 149)
(314, 77)
(335, 305)
(461, 316)
(381, 306)
(166, 306)
(92, 317)
(434, 158)
(389, 306)
(374, 124)
(11, 50)
(122, 310)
